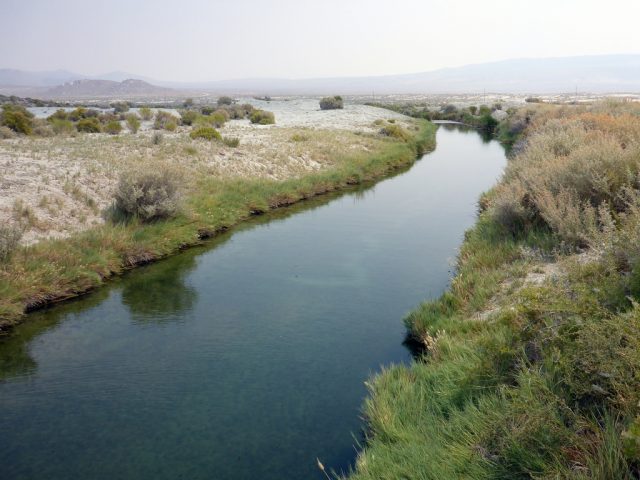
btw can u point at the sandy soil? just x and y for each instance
(59, 185)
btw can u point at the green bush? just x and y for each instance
(145, 113)
(188, 117)
(77, 114)
(331, 103)
(224, 100)
(262, 117)
(148, 195)
(133, 122)
(59, 114)
(207, 133)
(89, 125)
(61, 126)
(114, 127)
(17, 118)
(395, 131)
(120, 107)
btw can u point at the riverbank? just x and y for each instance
(529, 363)
(54, 270)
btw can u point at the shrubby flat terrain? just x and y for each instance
(60, 184)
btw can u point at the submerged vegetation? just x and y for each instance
(528, 366)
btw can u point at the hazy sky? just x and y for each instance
(218, 39)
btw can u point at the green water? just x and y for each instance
(246, 358)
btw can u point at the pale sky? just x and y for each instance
(197, 40)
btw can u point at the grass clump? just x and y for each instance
(114, 127)
(149, 194)
(10, 235)
(205, 133)
(133, 122)
(145, 113)
(332, 103)
(232, 142)
(262, 117)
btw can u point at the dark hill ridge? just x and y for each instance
(106, 88)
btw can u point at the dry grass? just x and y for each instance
(576, 163)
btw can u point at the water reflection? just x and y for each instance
(15, 353)
(158, 293)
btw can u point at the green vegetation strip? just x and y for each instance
(56, 270)
(530, 365)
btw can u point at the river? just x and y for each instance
(245, 358)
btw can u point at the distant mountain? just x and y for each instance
(596, 74)
(87, 88)
(21, 78)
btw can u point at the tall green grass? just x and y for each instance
(523, 379)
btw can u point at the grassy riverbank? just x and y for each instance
(531, 363)
(54, 270)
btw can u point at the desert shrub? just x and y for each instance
(10, 235)
(17, 118)
(114, 127)
(59, 114)
(188, 103)
(331, 103)
(108, 117)
(89, 125)
(533, 100)
(42, 128)
(133, 122)
(148, 194)
(232, 142)
(77, 114)
(91, 112)
(6, 132)
(207, 110)
(218, 118)
(262, 117)
(145, 113)
(188, 116)
(395, 131)
(572, 172)
(157, 138)
(206, 133)
(164, 120)
(120, 107)
(62, 127)
(224, 100)
(378, 122)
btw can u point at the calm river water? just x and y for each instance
(245, 358)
